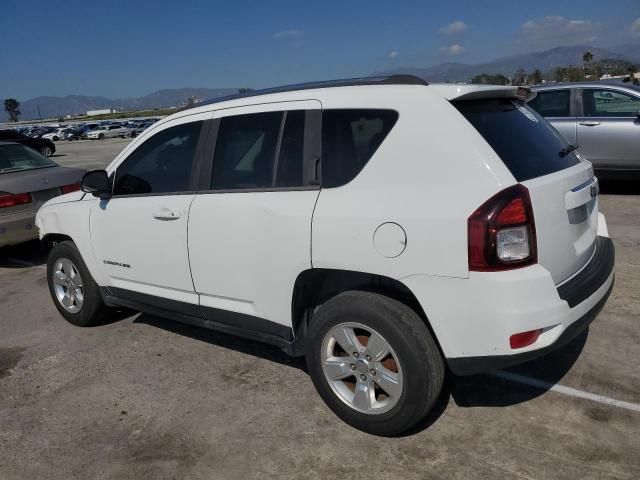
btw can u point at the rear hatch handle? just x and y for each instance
(582, 194)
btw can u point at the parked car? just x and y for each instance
(40, 131)
(58, 134)
(27, 181)
(138, 129)
(74, 133)
(382, 227)
(602, 119)
(44, 146)
(108, 131)
(86, 128)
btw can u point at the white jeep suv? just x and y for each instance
(382, 227)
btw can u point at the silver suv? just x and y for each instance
(603, 119)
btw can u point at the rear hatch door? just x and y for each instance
(561, 184)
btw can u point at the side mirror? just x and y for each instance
(96, 182)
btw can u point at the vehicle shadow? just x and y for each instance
(619, 187)
(471, 391)
(23, 255)
(487, 390)
(224, 340)
(55, 155)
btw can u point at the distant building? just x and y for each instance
(607, 76)
(104, 111)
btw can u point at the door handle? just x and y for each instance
(166, 214)
(589, 123)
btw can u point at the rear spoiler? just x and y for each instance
(478, 92)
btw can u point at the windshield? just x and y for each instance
(15, 157)
(527, 144)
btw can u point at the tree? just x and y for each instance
(245, 90)
(632, 74)
(536, 77)
(487, 79)
(520, 77)
(586, 58)
(12, 107)
(559, 74)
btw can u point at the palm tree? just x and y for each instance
(632, 74)
(586, 58)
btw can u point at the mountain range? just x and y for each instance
(52, 107)
(544, 61)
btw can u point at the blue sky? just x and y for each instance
(131, 48)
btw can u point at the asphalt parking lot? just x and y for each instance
(144, 397)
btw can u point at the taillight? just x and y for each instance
(501, 233)
(11, 200)
(70, 188)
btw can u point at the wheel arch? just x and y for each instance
(315, 286)
(50, 239)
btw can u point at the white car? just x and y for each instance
(58, 134)
(382, 227)
(108, 131)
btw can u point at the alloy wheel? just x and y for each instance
(67, 285)
(362, 368)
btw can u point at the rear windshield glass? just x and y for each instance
(15, 157)
(528, 145)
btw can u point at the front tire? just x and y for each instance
(374, 362)
(74, 292)
(101, 136)
(46, 151)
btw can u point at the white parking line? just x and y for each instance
(572, 392)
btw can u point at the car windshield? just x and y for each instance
(15, 157)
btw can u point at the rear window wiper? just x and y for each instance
(567, 150)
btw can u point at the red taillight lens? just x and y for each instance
(524, 339)
(70, 188)
(501, 233)
(10, 200)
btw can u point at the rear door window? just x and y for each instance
(349, 140)
(609, 103)
(260, 151)
(246, 151)
(553, 103)
(527, 144)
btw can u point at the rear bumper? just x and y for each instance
(18, 228)
(473, 365)
(474, 318)
(589, 282)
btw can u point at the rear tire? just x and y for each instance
(403, 384)
(46, 151)
(73, 290)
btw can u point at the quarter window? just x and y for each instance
(555, 103)
(349, 140)
(609, 103)
(162, 164)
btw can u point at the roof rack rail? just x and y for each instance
(347, 82)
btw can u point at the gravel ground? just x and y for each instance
(144, 397)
